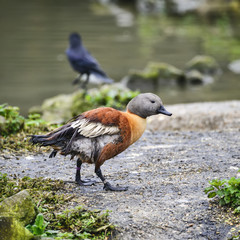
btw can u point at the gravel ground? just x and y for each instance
(166, 173)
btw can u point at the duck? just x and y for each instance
(84, 63)
(100, 134)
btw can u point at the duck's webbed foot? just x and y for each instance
(107, 186)
(86, 182)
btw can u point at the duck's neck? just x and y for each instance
(137, 124)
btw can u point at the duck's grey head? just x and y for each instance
(147, 104)
(75, 40)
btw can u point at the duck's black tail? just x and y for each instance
(42, 140)
(59, 139)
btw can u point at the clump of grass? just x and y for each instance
(83, 223)
(15, 129)
(10, 120)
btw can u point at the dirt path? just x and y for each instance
(166, 173)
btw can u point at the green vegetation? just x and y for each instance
(12, 122)
(107, 96)
(226, 191)
(14, 129)
(54, 219)
(39, 226)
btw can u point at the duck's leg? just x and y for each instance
(78, 179)
(107, 186)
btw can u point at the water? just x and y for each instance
(34, 36)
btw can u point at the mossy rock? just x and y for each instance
(11, 229)
(154, 75)
(203, 64)
(195, 77)
(57, 109)
(164, 70)
(16, 212)
(19, 206)
(158, 70)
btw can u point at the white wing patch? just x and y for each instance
(93, 129)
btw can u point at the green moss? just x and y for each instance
(157, 70)
(203, 64)
(19, 206)
(11, 229)
(164, 70)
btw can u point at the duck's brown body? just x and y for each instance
(96, 136)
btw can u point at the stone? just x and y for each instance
(11, 229)
(57, 109)
(19, 206)
(204, 64)
(164, 70)
(194, 77)
(154, 75)
(16, 212)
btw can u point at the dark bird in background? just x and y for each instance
(83, 62)
(100, 134)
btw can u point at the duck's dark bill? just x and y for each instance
(164, 111)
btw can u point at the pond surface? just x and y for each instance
(34, 36)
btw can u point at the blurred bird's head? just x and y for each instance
(75, 40)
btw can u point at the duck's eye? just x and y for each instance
(152, 101)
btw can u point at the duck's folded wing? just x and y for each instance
(91, 124)
(92, 129)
